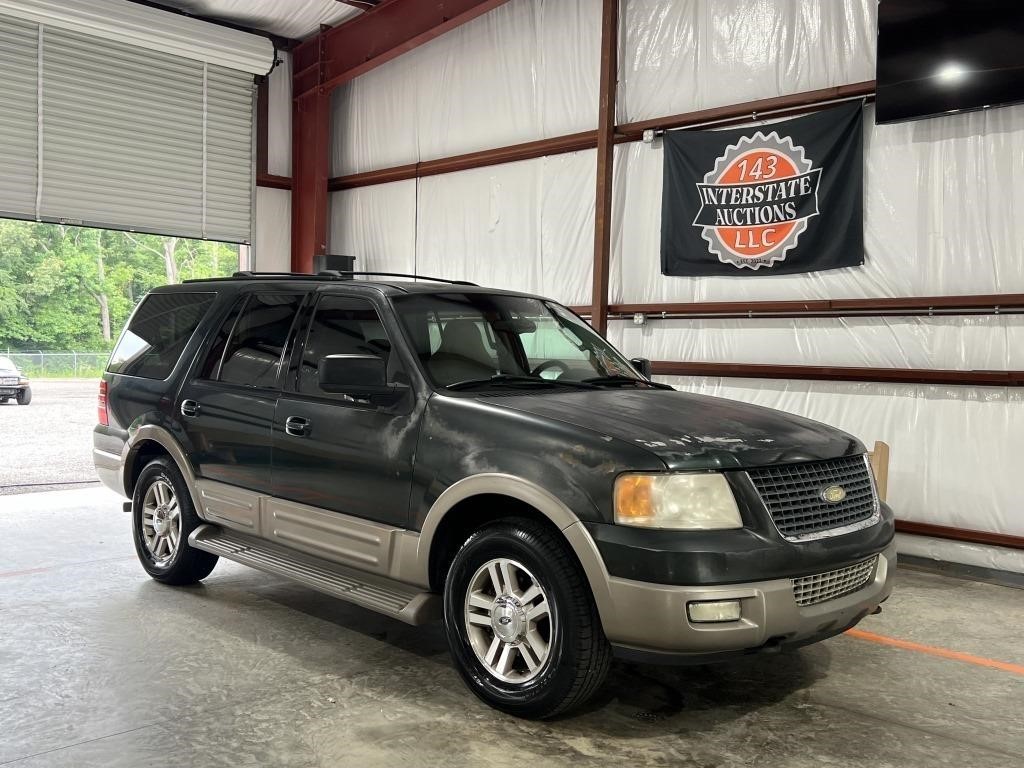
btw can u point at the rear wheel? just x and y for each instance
(25, 396)
(521, 623)
(162, 519)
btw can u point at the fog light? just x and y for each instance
(714, 611)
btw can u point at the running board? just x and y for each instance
(400, 601)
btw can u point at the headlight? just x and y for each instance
(692, 502)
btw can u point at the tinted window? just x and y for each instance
(462, 337)
(341, 326)
(253, 354)
(158, 333)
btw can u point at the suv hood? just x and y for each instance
(689, 431)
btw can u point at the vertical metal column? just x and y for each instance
(605, 163)
(311, 126)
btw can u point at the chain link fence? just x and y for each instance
(58, 365)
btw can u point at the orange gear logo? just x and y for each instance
(757, 200)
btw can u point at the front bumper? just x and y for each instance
(650, 621)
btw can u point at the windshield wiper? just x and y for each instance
(618, 380)
(509, 379)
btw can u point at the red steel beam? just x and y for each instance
(262, 126)
(778, 106)
(991, 304)
(272, 181)
(605, 163)
(390, 29)
(311, 123)
(960, 534)
(839, 373)
(571, 143)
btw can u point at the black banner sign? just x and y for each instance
(776, 199)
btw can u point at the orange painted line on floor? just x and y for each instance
(931, 650)
(26, 572)
(46, 569)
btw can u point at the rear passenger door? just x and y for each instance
(352, 456)
(227, 406)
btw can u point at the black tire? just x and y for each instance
(25, 396)
(579, 654)
(187, 565)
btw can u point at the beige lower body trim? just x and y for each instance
(654, 616)
(108, 469)
(331, 536)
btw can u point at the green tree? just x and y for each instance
(72, 288)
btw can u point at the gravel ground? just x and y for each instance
(48, 444)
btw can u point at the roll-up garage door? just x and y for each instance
(19, 44)
(99, 132)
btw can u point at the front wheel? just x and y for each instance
(163, 516)
(25, 396)
(521, 623)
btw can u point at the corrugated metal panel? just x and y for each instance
(123, 140)
(229, 98)
(18, 126)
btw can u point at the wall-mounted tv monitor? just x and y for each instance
(938, 57)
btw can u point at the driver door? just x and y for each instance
(336, 452)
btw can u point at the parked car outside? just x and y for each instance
(444, 449)
(13, 384)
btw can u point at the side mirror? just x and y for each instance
(353, 374)
(643, 365)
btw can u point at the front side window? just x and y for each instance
(158, 333)
(253, 354)
(479, 336)
(341, 325)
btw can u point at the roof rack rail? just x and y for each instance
(250, 273)
(327, 274)
(344, 273)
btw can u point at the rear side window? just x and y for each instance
(253, 354)
(158, 333)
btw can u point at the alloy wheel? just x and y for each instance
(508, 620)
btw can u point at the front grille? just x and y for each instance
(10, 382)
(811, 590)
(792, 494)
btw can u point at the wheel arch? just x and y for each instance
(151, 441)
(467, 504)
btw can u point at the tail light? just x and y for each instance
(101, 405)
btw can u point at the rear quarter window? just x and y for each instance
(158, 333)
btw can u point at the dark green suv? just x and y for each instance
(436, 448)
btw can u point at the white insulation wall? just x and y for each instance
(272, 239)
(944, 215)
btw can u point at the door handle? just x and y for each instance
(189, 408)
(296, 426)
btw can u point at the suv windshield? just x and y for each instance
(7, 365)
(470, 338)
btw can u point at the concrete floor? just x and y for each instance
(48, 444)
(100, 666)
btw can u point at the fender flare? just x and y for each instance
(576, 535)
(159, 435)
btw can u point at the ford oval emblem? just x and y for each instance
(834, 494)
